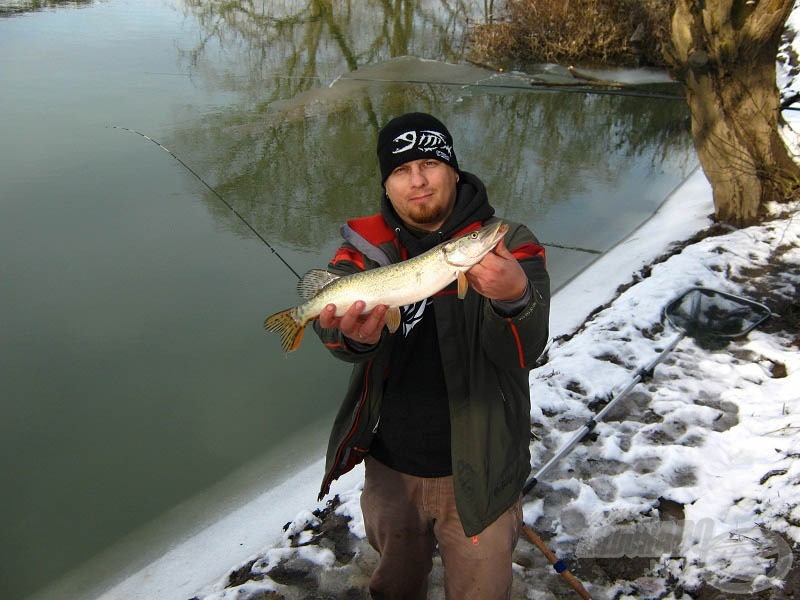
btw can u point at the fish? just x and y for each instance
(393, 285)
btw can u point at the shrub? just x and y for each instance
(622, 32)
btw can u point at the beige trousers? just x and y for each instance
(406, 516)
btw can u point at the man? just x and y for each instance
(440, 409)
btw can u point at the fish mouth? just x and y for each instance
(497, 233)
(491, 236)
(488, 237)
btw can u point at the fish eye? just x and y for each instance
(474, 235)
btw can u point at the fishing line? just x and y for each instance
(251, 228)
(576, 248)
(213, 191)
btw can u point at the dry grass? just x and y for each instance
(621, 32)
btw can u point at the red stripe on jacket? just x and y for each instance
(349, 255)
(528, 251)
(373, 228)
(520, 351)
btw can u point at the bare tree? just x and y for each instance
(724, 53)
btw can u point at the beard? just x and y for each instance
(427, 214)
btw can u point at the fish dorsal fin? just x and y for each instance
(312, 282)
(393, 318)
(463, 285)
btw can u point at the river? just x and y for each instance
(135, 372)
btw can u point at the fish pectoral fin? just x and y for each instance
(313, 282)
(463, 285)
(393, 319)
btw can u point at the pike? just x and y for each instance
(393, 285)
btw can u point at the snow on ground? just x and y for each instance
(716, 431)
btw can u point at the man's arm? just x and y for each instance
(515, 329)
(499, 276)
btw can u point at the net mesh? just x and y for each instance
(704, 313)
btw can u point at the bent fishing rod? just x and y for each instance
(213, 191)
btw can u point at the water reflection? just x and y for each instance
(295, 154)
(558, 162)
(305, 42)
(12, 8)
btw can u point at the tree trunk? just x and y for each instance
(724, 53)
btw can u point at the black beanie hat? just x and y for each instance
(413, 136)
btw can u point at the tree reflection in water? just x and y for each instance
(315, 79)
(12, 8)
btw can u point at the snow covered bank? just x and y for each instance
(714, 435)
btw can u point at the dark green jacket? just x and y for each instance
(486, 359)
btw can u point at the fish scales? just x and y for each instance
(393, 285)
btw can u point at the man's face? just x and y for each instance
(423, 192)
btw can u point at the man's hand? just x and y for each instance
(499, 276)
(364, 328)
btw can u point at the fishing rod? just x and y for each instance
(213, 191)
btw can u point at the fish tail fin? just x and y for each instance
(291, 331)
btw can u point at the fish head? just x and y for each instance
(469, 249)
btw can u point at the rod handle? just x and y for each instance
(558, 565)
